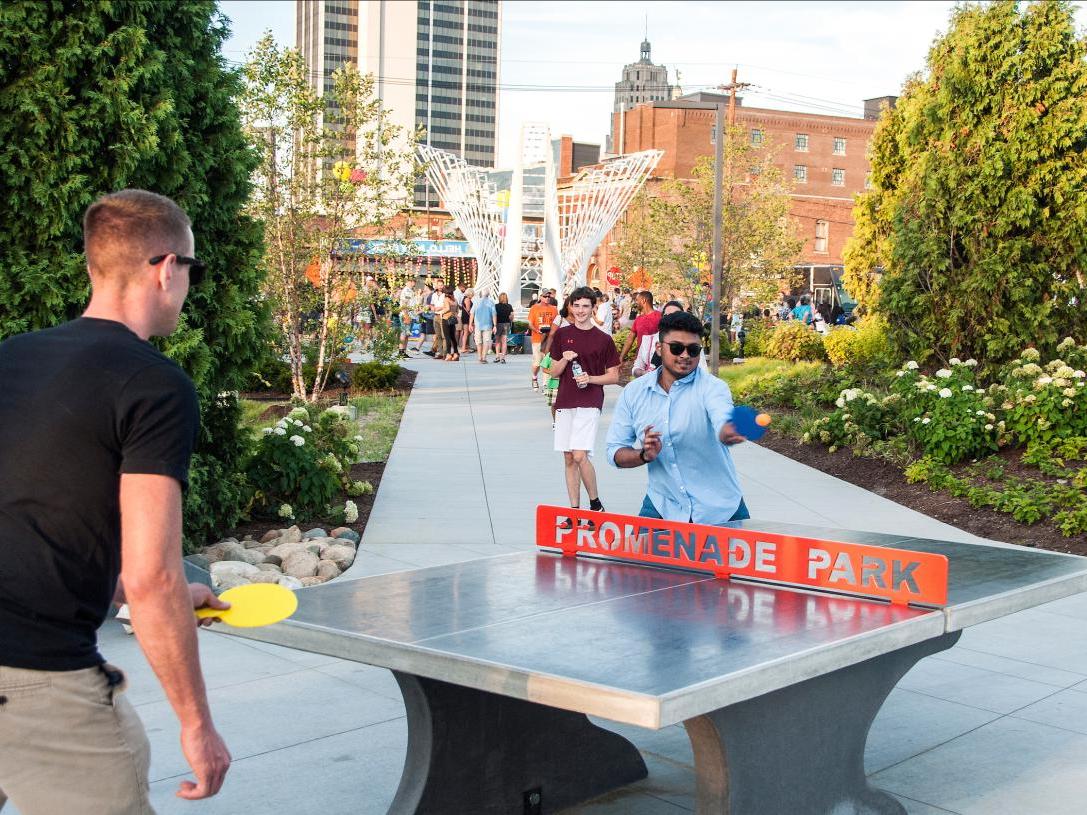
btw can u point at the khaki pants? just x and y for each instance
(71, 743)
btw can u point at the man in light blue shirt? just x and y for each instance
(682, 417)
(482, 323)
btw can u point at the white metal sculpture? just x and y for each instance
(472, 200)
(576, 218)
(589, 207)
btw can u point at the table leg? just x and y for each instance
(479, 752)
(801, 749)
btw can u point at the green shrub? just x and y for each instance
(519, 327)
(619, 338)
(372, 376)
(757, 336)
(864, 347)
(947, 416)
(859, 419)
(1044, 403)
(303, 461)
(795, 341)
(797, 386)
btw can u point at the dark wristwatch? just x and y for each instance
(641, 455)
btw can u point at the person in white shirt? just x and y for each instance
(409, 307)
(437, 305)
(603, 317)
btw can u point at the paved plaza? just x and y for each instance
(997, 724)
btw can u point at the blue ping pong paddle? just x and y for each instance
(749, 423)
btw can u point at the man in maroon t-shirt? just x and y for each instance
(584, 360)
(645, 323)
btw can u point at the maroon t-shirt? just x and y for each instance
(595, 351)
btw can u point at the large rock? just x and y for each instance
(254, 556)
(328, 569)
(265, 577)
(342, 556)
(300, 564)
(316, 532)
(270, 535)
(269, 567)
(273, 560)
(225, 550)
(311, 581)
(345, 533)
(288, 582)
(229, 581)
(222, 568)
(249, 543)
(292, 535)
(286, 549)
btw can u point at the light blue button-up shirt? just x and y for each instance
(693, 478)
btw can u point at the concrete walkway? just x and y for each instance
(997, 724)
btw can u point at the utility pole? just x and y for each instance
(718, 202)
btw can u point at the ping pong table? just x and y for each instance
(501, 660)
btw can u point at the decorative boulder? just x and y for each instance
(347, 534)
(270, 535)
(225, 550)
(327, 569)
(300, 564)
(292, 535)
(265, 577)
(288, 582)
(316, 532)
(342, 556)
(222, 568)
(311, 581)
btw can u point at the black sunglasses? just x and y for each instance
(196, 267)
(677, 349)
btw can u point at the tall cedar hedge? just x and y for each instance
(96, 96)
(978, 212)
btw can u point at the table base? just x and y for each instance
(801, 749)
(479, 752)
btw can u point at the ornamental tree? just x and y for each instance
(977, 218)
(328, 166)
(99, 96)
(760, 246)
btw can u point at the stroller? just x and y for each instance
(518, 343)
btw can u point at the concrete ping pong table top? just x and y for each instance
(500, 659)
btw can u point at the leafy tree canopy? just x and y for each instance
(99, 96)
(978, 214)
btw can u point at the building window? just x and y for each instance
(756, 137)
(837, 177)
(800, 173)
(839, 145)
(822, 231)
(802, 142)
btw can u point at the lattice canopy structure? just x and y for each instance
(472, 200)
(590, 206)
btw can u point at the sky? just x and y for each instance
(560, 59)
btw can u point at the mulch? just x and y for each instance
(886, 480)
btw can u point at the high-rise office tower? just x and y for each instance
(435, 65)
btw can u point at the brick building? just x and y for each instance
(826, 156)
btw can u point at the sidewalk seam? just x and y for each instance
(479, 455)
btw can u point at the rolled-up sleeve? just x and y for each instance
(622, 432)
(718, 401)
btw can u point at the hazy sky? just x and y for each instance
(560, 60)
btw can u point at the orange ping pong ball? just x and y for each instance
(763, 419)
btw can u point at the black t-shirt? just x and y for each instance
(503, 312)
(80, 404)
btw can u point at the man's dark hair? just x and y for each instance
(647, 296)
(125, 229)
(679, 321)
(581, 293)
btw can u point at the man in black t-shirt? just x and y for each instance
(96, 430)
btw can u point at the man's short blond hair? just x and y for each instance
(125, 229)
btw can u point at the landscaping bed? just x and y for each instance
(888, 480)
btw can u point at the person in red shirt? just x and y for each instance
(584, 361)
(645, 324)
(540, 317)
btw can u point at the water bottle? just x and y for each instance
(577, 370)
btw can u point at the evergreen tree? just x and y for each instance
(978, 213)
(97, 96)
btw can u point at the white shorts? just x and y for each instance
(575, 429)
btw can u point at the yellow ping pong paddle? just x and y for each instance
(254, 605)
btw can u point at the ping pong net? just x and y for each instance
(902, 576)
